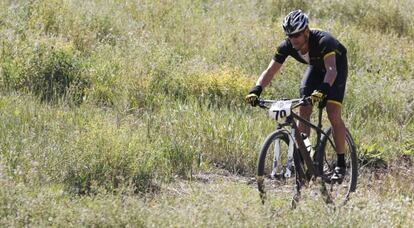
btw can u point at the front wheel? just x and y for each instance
(338, 192)
(278, 163)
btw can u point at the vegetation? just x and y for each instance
(106, 104)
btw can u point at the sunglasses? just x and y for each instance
(296, 35)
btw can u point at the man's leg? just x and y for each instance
(339, 132)
(338, 126)
(305, 112)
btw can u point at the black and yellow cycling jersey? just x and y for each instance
(321, 45)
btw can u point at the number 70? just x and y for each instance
(280, 114)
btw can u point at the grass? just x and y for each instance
(212, 199)
(107, 105)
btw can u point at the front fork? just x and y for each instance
(276, 158)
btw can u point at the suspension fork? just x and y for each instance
(276, 156)
(291, 149)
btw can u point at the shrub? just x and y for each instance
(53, 73)
(221, 87)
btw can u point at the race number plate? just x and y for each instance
(280, 110)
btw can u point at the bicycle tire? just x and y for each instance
(264, 165)
(326, 158)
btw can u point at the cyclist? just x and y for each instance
(324, 79)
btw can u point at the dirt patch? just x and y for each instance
(372, 175)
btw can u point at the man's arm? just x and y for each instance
(268, 74)
(330, 66)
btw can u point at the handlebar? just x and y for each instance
(298, 102)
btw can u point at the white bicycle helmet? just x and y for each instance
(295, 22)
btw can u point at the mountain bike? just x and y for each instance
(284, 155)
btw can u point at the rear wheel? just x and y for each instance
(338, 192)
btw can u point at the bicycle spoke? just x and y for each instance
(339, 192)
(277, 171)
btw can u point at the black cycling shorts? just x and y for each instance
(313, 77)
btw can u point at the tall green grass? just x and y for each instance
(106, 97)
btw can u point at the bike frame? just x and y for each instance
(294, 133)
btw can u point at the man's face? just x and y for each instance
(298, 40)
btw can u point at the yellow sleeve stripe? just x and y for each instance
(328, 54)
(335, 102)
